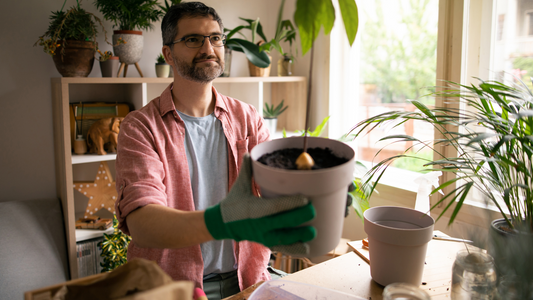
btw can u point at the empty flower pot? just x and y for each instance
(397, 241)
(326, 188)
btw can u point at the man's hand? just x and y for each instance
(271, 222)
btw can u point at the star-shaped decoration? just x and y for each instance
(102, 193)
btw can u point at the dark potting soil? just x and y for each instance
(286, 158)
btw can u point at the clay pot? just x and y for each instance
(77, 60)
(109, 67)
(325, 188)
(255, 71)
(162, 70)
(132, 51)
(397, 242)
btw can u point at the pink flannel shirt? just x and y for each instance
(152, 168)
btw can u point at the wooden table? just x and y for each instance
(350, 273)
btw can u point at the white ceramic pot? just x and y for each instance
(397, 241)
(132, 51)
(325, 188)
(271, 124)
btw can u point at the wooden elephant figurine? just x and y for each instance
(104, 132)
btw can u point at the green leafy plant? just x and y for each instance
(311, 16)
(316, 132)
(168, 4)
(253, 54)
(493, 137)
(160, 59)
(285, 32)
(114, 248)
(130, 14)
(271, 112)
(73, 24)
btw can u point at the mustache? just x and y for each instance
(205, 56)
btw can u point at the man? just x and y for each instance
(177, 168)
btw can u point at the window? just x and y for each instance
(489, 39)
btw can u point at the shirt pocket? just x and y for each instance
(245, 146)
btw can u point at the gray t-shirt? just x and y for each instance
(207, 156)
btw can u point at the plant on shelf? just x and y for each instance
(253, 54)
(104, 56)
(285, 32)
(130, 14)
(162, 69)
(72, 35)
(114, 248)
(168, 4)
(271, 112)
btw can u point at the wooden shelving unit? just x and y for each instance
(137, 92)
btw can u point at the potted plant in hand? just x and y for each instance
(108, 64)
(162, 69)
(310, 18)
(70, 40)
(493, 140)
(270, 115)
(130, 16)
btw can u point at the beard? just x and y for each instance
(202, 74)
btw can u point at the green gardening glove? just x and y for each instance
(272, 222)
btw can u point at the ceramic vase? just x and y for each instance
(397, 242)
(285, 66)
(109, 67)
(130, 52)
(227, 62)
(162, 70)
(74, 58)
(325, 188)
(271, 124)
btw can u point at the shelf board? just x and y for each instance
(89, 158)
(138, 80)
(87, 234)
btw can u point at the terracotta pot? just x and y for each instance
(397, 242)
(325, 188)
(109, 67)
(132, 51)
(77, 60)
(255, 71)
(162, 70)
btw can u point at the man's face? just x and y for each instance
(202, 64)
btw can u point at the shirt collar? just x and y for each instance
(167, 105)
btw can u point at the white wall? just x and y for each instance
(27, 169)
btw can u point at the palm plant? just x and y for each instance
(271, 112)
(494, 142)
(130, 14)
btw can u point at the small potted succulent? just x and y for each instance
(162, 69)
(270, 115)
(108, 64)
(70, 40)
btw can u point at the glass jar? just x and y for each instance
(404, 291)
(473, 276)
(285, 66)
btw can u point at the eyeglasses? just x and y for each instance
(197, 41)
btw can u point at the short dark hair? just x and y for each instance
(169, 25)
